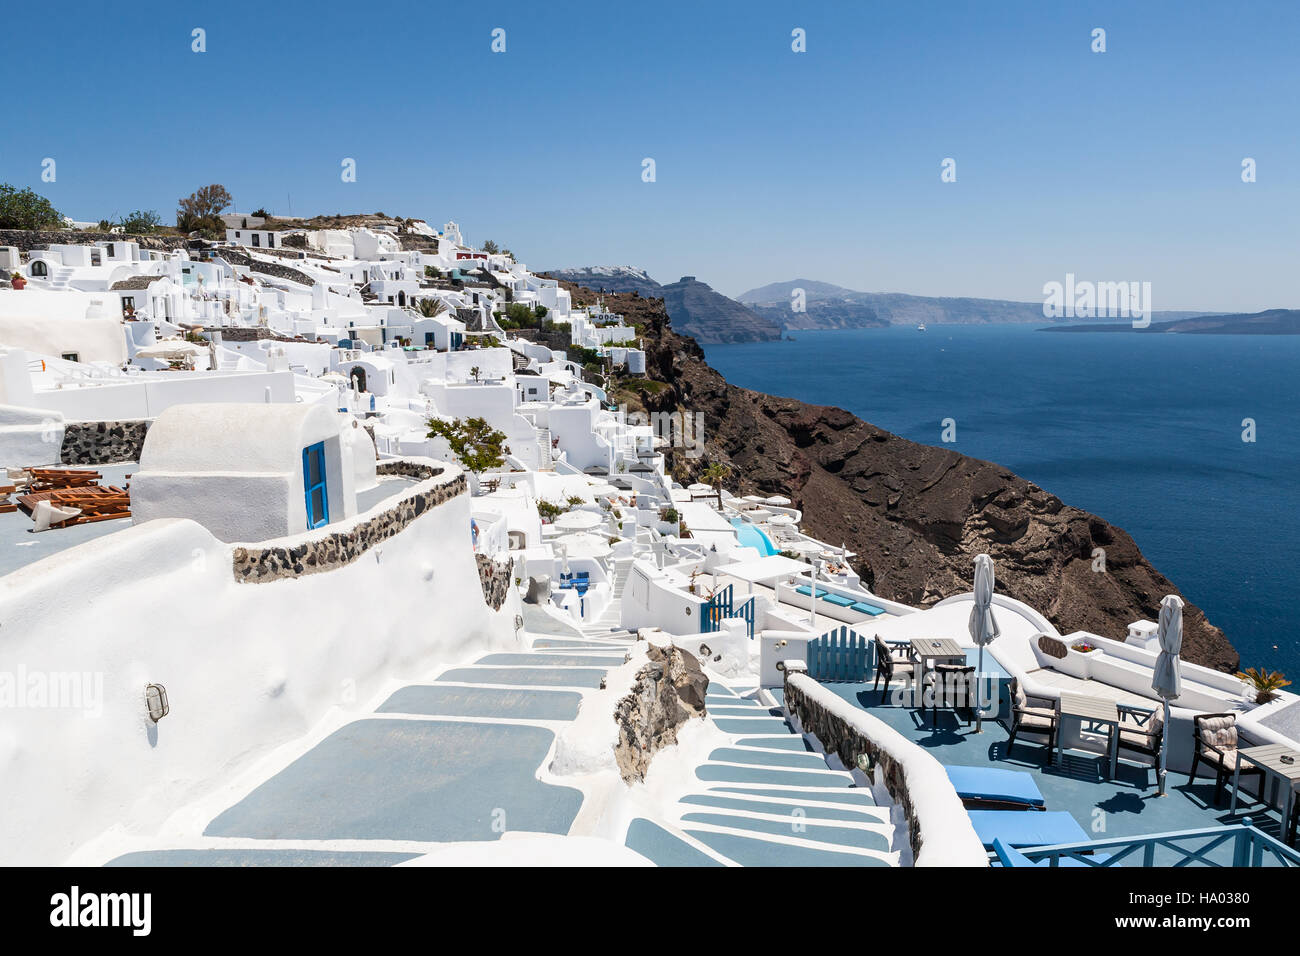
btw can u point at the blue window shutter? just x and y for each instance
(314, 485)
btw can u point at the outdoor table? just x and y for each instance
(1268, 757)
(931, 650)
(1093, 710)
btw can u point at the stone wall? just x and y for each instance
(324, 552)
(669, 691)
(237, 257)
(939, 831)
(27, 240)
(495, 579)
(102, 443)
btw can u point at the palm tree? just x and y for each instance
(431, 308)
(715, 475)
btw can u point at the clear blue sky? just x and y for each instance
(771, 165)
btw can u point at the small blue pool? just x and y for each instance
(752, 537)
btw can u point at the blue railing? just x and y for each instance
(1249, 847)
(841, 654)
(746, 613)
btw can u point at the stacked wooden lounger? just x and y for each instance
(79, 489)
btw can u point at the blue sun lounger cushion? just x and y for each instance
(995, 785)
(806, 590)
(839, 600)
(866, 608)
(1011, 857)
(1017, 828)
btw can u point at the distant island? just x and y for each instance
(1268, 322)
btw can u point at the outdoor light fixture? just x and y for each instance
(155, 695)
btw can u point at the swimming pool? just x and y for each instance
(752, 537)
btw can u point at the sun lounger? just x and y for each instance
(838, 600)
(993, 788)
(1011, 857)
(806, 591)
(1017, 828)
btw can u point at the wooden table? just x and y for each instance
(1268, 757)
(933, 650)
(1093, 710)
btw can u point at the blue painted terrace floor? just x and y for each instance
(1125, 806)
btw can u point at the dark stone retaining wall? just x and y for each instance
(102, 443)
(495, 579)
(237, 257)
(338, 548)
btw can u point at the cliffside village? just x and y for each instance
(266, 497)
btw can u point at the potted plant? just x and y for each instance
(17, 280)
(1265, 683)
(1083, 647)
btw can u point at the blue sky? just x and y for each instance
(770, 165)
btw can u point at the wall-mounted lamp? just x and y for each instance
(155, 696)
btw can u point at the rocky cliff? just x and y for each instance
(916, 515)
(696, 309)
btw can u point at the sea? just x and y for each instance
(1190, 443)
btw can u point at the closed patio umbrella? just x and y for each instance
(1167, 679)
(983, 627)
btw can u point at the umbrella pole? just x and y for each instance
(979, 692)
(1164, 749)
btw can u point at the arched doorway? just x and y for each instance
(358, 377)
(401, 298)
(39, 269)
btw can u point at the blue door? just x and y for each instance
(313, 479)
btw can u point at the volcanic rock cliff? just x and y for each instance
(915, 515)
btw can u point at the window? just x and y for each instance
(270, 239)
(39, 268)
(257, 240)
(313, 479)
(128, 305)
(70, 357)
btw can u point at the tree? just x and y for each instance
(476, 372)
(24, 209)
(260, 213)
(140, 222)
(201, 211)
(490, 247)
(715, 475)
(476, 444)
(431, 308)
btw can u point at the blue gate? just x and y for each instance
(841, 654)
(716, 609)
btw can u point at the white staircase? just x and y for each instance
(546, 461)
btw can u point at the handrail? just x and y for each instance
(1249, 848)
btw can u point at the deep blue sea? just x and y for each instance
(1143, 430)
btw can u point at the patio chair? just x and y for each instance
(1142, 731)
(1035, 715)
(1215, 742)
(890, 666)
(953, 685)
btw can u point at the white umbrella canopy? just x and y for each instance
(1167, 678)
(781, 501)
(603, 489)
(699, 486)
(983, 625)
(781, 520)
(584, 545)
(757, 499)
(578, 521)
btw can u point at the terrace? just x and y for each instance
(1116, 815)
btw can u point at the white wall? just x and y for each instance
(247, 667)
